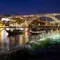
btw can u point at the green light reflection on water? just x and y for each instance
(46, 41)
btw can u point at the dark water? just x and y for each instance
(51, 53)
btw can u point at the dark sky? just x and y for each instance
(29, 6)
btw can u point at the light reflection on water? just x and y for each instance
(4, 36)
(47, 39)
(6, 40)
(34, 40)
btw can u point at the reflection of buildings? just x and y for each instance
(29, 25)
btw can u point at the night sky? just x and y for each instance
(29, 6)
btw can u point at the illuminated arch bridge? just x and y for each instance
(50, 22)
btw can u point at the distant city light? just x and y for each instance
(5, 19)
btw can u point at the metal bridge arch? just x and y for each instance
(52, 16)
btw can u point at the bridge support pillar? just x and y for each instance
(21, 40)
(57, 30)
(26, 35)
(52, 31)
(26, 32)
